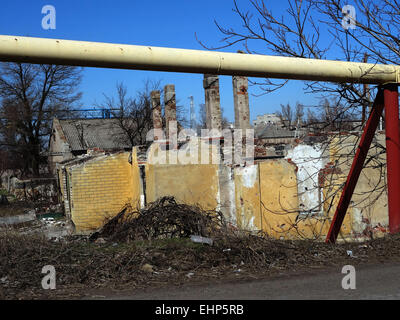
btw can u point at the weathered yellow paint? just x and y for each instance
(279, 202)
(247, 198)
(195, 184)
(100, 187)
(312, 228)
(331, 193)
(262, 196)
(190, 184)
(136, 185)
(368, 207)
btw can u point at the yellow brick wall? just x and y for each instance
(99, 189)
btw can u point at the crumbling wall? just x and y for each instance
(247, 197)
(35, 189)
(287, 198)
(278, 196)
(309, 161)
(59, 149)
(367, 214)
(190, 183)
(99, 188)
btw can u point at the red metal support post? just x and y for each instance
(356, 167)
(391, 98)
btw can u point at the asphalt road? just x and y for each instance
(381, 282)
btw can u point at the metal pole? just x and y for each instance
(356, 167)
(391, 98)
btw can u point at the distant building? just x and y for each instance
(73, 137)
(273, 134)
(267, 119)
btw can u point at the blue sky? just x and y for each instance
(155, 23)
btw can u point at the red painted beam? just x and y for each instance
(356, 167)
(391, 98)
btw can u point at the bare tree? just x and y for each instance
(31, 95)
(290, 117)
(135, 113)
(202, 124)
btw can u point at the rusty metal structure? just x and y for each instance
(108, 55)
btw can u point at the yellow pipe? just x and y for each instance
(120, 56)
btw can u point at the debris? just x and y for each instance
(48, 220)
(147, 268)
(350, 254)
(17, 219)
(100, 241)
(121, 266)
(3, 199)
(164, 218)
(200, 239)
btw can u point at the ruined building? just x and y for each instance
(288, 195)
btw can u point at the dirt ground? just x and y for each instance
(16, 208)
(85, 269)
(151, 251)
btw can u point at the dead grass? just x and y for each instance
(15, 208)
(82, 264)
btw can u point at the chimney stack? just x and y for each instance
(156, 113)
(170, 110)
(212, 101)
(241, 103)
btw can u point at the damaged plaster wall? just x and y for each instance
(309, 160)
(368, 211)
(59, 149)
(227, 194)
(190, 183)
(247, 192)
(272, 195)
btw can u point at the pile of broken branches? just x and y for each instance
(164, 218)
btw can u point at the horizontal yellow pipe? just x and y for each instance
(109, 55)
